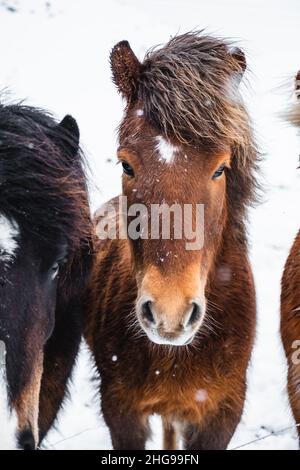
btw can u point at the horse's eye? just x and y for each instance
(127, 169)
(54, 271)
(219, 172)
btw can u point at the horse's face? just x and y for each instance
(34, 267)
(41, 227)
(29, 275)
(189, 90)
(172, 266)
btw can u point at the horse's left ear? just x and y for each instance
(69, 131)
(125, 68)
(240, 62)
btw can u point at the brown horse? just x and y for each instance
(172, 328)
(290, 304)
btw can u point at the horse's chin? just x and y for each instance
(182, 340)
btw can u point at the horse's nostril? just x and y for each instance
(195, 315)
(147, 312)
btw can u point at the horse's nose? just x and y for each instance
(165, 325)
(192, 316)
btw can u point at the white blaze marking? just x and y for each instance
(166, 150)
(8, 233)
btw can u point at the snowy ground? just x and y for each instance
(55, 54)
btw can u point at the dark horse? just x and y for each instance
(172, 328)
(290, 303)
(45, 258)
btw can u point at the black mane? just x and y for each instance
(42, 178)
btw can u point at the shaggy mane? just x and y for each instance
(293, 115)
(189, 90)
(41, 186)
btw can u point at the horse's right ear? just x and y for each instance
(125, 69)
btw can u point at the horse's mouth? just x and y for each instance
(174, 341)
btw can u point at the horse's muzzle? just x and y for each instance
(26, 440)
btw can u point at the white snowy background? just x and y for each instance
(54, 54)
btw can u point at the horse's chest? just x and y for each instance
(177, 392)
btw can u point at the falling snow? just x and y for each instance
(201, 395)
(88, 93)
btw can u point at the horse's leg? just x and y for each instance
(60, 354)
(216, 432)
(128, 431)
(169, 435)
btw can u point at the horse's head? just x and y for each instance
(179, 146)
(44, 217)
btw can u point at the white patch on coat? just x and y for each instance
(166, 150)
(8, 420)
(9, 232)
(140, 112)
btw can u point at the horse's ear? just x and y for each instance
(125, 69)
(239, 59)
(69, 131)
